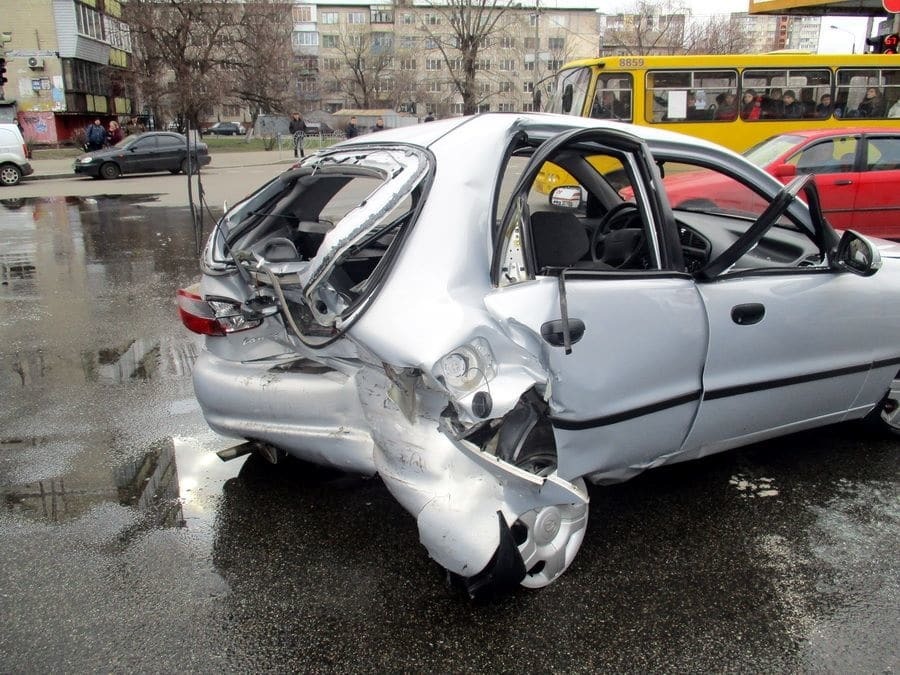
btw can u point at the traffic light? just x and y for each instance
(884, 44)
(3, 79)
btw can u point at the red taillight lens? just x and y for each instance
(197, 315)
(218, 316)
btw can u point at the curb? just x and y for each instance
(71, 174)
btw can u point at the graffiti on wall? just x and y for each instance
(38, 127)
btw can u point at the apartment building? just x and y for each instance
(66, 63)
(768, 33)
(354, 54)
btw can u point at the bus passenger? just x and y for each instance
(872, 105)
(772, 104)
(825, 107)
(727, 106)
(791, 108)
(750, 105)
(607, 106)
(895, 109)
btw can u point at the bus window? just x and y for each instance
(783, 93)
(612, 97)
(570, 92)
(691, 95)
(867, 92)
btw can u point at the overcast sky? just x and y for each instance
(848, 32)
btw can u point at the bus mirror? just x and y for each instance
(784, 171)
(566, 196)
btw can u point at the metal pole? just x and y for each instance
(535, 99)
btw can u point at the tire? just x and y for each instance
(194, 167)
(174, 171)
(110, 170)
(885, 417)
(10, 174)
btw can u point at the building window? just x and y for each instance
(483, 87)
(433, 64)
(330, 41)
(382, 42)
(507, 43)
(89, 22)
(528, 87)
(554, 64)
(302, 13)
(407, 42)
(432, 20)
(507, 64)
(329, 17)
(456, 108)
(382, 15)
(484, 107)
(430, 43)
(433, 86)
(331, 64)
(506, 107)
(505, 87)
(407, 64)
(556, 43)
(305, 38)
(407, 19)
(532, 43)
(356, 18)
(483, 64)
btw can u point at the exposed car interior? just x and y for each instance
(610, 228)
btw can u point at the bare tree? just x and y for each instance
(362, 69)
(190, 41)
(717, 35)
(649, 28)
(473, 26)
(263, 65)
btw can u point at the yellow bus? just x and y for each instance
(735, 100)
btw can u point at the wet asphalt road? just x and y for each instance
(127, 546)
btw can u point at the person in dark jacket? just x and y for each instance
(96, 136)
(114, 135)
(379, 125)
(790, 107)
(872, 105)
(297, 128)
(351, 130)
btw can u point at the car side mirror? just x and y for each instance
(784, 171)
(566, 196)
(857, 254)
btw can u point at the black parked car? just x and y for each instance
(143, 153)
(226, 129)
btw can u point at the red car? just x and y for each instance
(857, 172)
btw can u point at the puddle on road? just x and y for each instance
(176, 483)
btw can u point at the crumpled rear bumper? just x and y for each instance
(311, 411)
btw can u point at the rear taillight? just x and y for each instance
(212, 316)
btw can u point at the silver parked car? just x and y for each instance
(426, 305)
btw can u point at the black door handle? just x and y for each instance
(747, 315)
(552, 331)
(844, 181)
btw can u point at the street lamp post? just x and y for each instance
(850, 33)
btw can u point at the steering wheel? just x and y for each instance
(619, 246)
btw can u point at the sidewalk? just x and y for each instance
(64, 168)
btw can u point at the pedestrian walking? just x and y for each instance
(298, 131)
(114, 135)
(351, 130)
(96, 136)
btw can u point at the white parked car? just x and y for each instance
(13, 155)
(408, 304)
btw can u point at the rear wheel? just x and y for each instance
(110, 170)
(187, 168)
(886, 415)
(10, 174)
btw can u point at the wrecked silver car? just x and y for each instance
(411, 305)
